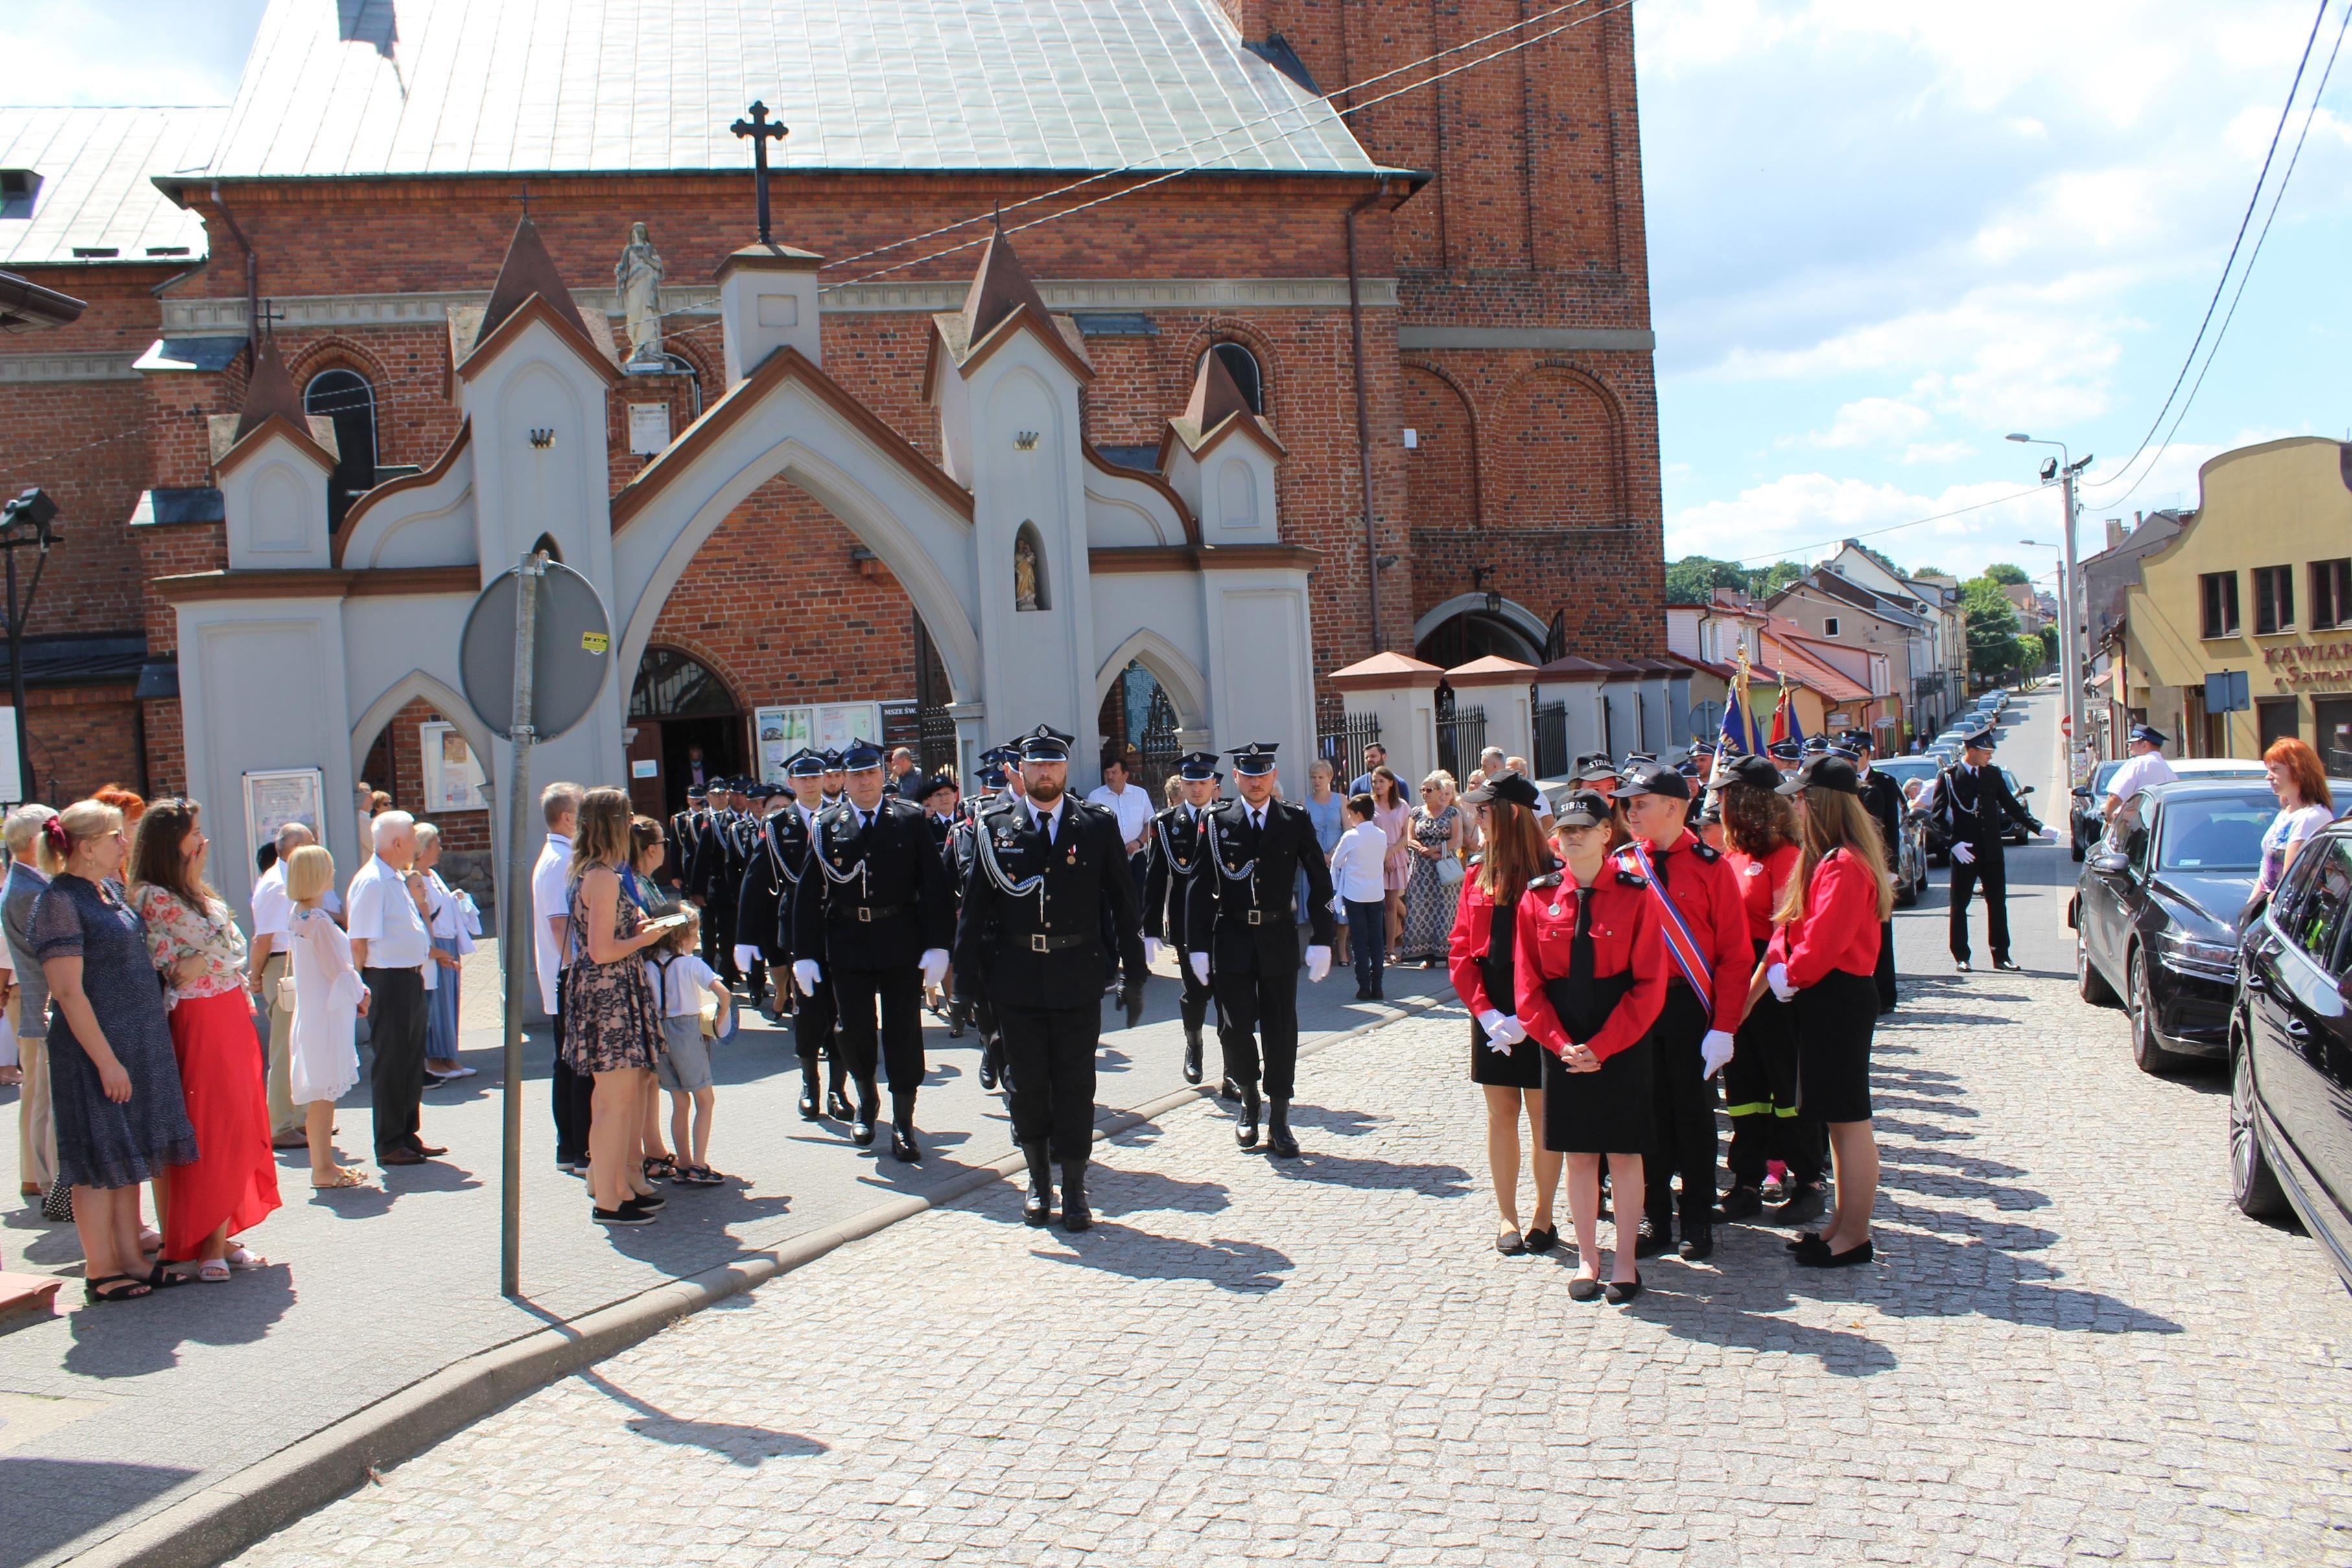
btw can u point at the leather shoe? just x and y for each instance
(861, 1132)
(837, 1106)
(1076, 1215)
(1278, 1141)
(1617, 1294)
(1653, 1239)
(1246, 1129)
(903, 1148)
(809, 1112)
(1229, 1089)
(430, 1151)
(1037, 1205)
(400, 1157)
(2010, 966)
(987, 1068)
(1192, 1056)
(1543, 1240)
(1819, 1256)
(1699, 1241)
(1742, 1202)
(1806, 1202)
(1962, 966)
(1583, 1290)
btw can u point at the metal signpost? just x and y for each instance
(536, 645)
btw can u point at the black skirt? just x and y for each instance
(1519, 1068)
(1610, 1111)
(1760, 1079)
(1835, 1018)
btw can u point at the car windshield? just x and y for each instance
(2103, 774)
(1906, 769)
(2216, 833)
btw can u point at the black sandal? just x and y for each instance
(163, 1278)
(129, 1287)
(699, 1175)
(661, 1170)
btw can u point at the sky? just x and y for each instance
(1883, 233)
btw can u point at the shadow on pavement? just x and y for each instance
(130, 1339)
(749, 1447)
(1348, 1170)
(32, 1526)
(1242, 1267)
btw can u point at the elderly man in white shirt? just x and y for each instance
(550, 929)
(1131, 804)
(2144, 769)
(267, 963)
(391, 947)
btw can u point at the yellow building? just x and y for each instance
(2259, 580)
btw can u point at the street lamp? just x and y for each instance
(27, 522)
(2065, 472)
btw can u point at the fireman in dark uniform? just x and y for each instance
(1241, 938)
(792, 830)
(1975, 808)
(874, 918)
(1175, 850)
(1882, 797)
(1032, 927)
(718, 878)
(757, 903)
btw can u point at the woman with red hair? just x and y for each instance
(2305, 806)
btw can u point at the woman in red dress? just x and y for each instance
(1592, 977)
(1825, 957)
(232, 1184)
(1504, 1062)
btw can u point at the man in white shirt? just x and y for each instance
(390, 946)
(270, 961)
(1131, 804)
(551, 925)
(2144, 769)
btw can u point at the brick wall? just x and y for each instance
(462, 833)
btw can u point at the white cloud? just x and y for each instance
(124, 51)
(1938, 450)
(1876, 422)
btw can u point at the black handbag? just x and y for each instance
(57, 1203)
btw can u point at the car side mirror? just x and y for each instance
(2025, 789)
(2083, 791)
(2109, 863)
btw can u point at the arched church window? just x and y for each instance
(548, 547)
(1029, 587)
(1242, 365)
(345, 397)
(672, 685)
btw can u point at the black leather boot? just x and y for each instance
(1278, 1141)
(902, 1129)
(1075, 1214)
(1038, 1205)
(810, 1110)
(836, 1100)
(987, 1064)
(1245, 1128)
(1192, 1056)
(869, 1111)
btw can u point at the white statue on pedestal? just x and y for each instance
(638, 278)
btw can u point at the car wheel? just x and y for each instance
(2147, 1050)
(2089, 984)
(2080, 849)
(2254, 1187)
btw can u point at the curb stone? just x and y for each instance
(216, 1522)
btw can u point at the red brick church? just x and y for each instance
(1438, 305)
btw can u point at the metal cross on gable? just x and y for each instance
(761, 130)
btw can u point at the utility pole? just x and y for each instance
(2064, 471)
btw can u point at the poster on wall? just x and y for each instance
(278, 796)
(826, 727)
(453, 774)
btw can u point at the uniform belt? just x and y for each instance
(1038, 942)
(1265, 916)
(864, 915)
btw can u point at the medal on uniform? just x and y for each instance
(1555, 911)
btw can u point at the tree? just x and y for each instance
(2000, 571)
(1993, 646)
(1693, 579)
(2050, 644)
(1769, 581)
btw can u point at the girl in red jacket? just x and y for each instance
(1759, 1082)
(1823, 958)
(1592, 977)
(1503, 1060)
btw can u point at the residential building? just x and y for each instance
(2256, 581)
(1886, 635)
(1709, 638)
(2108, 578)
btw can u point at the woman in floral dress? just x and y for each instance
(611, 1029)
(1434, 835)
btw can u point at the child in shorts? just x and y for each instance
(680, 980)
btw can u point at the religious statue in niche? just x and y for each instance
(1028, 572)
(638, 276)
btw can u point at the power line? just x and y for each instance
(1788, 551)
(2253, 200)
(2310, 110)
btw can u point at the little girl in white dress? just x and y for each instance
(323, 1063)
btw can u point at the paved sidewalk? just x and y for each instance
(2071, 1350)
(111, 1413)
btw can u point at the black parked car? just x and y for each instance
(2087, 816)
(2291, 1050)
(2155, 915)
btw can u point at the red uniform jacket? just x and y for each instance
(1708, 894)
(1473, 930)
(1839, 926)
(1761, 884)
(1624, 938)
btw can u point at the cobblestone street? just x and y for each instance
(2070, 1347)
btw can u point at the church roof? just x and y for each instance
(359, 89)
(270, 391)
(92, 186)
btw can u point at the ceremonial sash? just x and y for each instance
(1688, 956)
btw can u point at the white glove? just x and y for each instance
(1503, 1030)
(1964, 853)
(806, 976)
(1715, 1051)
(746, 956)
(1199, 962)
(1318, 963)
(1777, 977)
(935, 965)
(1151, 951)
(2049, 835)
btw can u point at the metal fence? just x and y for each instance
(1343, 746)
(1157, 751)
(1461, 737)
(1551, 740)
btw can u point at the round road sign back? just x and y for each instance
(572, 647)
